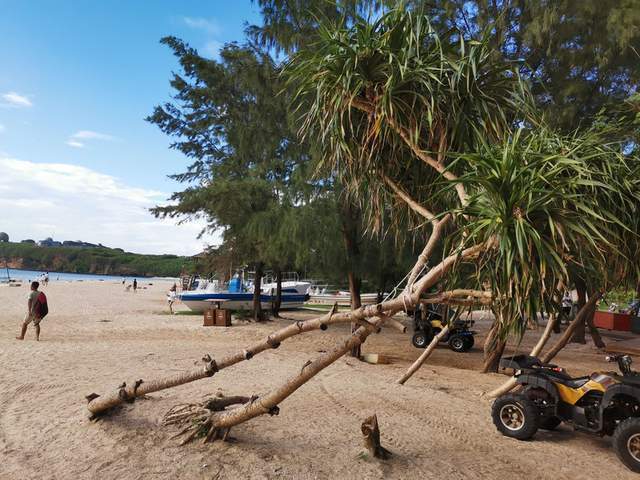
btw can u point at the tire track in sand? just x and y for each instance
(408, 420)
(442, 469)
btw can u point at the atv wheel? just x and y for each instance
(549, 423)
(542, 400)
(458, 344)
(420, 340)
(515, 416)
(626, 443)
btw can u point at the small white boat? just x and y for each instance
(239, 295)
(320, 295)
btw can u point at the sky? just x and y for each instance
(77, 78)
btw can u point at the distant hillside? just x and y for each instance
(98, 260)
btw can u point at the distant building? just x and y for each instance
(49, 242)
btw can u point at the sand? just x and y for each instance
(97, 335)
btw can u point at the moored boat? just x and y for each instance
(239, 295)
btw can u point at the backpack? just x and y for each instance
(41, 308)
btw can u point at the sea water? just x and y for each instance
(31, 275)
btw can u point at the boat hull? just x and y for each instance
(342, 300)
(201, 301)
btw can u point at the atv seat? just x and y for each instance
(566, 380)
(520, 362)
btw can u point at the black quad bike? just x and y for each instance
(428, 322)
(603, 403)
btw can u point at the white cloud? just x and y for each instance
(13, 99)
(208, 25)
(70, 202)
(212, 48)
(91, 135)
(77, 140)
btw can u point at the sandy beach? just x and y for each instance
(97, 335)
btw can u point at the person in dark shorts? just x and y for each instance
(31, 316)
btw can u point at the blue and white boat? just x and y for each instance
(239, 295)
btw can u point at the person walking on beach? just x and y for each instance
(36, 310)
(135, 285)
(171, 297)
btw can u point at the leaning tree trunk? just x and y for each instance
(595, 334)
(535, 351)
(579, 332)
(587, 309)
(258, 316)
(493, 348)
(350, 236)
(278, 301)
(492, 362)
(356, 302)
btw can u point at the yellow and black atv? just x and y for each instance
(603, 403)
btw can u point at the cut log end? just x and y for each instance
(375, 358)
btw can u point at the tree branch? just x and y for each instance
(421, 154)
(413, 204)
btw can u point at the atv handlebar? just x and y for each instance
(624, 363)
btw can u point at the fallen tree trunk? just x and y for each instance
(421, 359)
(98, 404)
(139, 388)
(218, 424)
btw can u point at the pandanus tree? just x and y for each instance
(446, 126)
(438, 129)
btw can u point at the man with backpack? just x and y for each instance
(37, 308)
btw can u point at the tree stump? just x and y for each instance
(371, 433)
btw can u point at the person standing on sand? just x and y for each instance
(135, 285)
(171, 297)
(32, 316)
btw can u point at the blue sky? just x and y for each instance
(77, 79)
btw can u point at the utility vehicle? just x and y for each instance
(603, 403)
(428, 322)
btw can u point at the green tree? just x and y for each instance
(396, 94)
(578, 56)
(4, 237)
(231, 117)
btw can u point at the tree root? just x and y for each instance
(198, 419)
